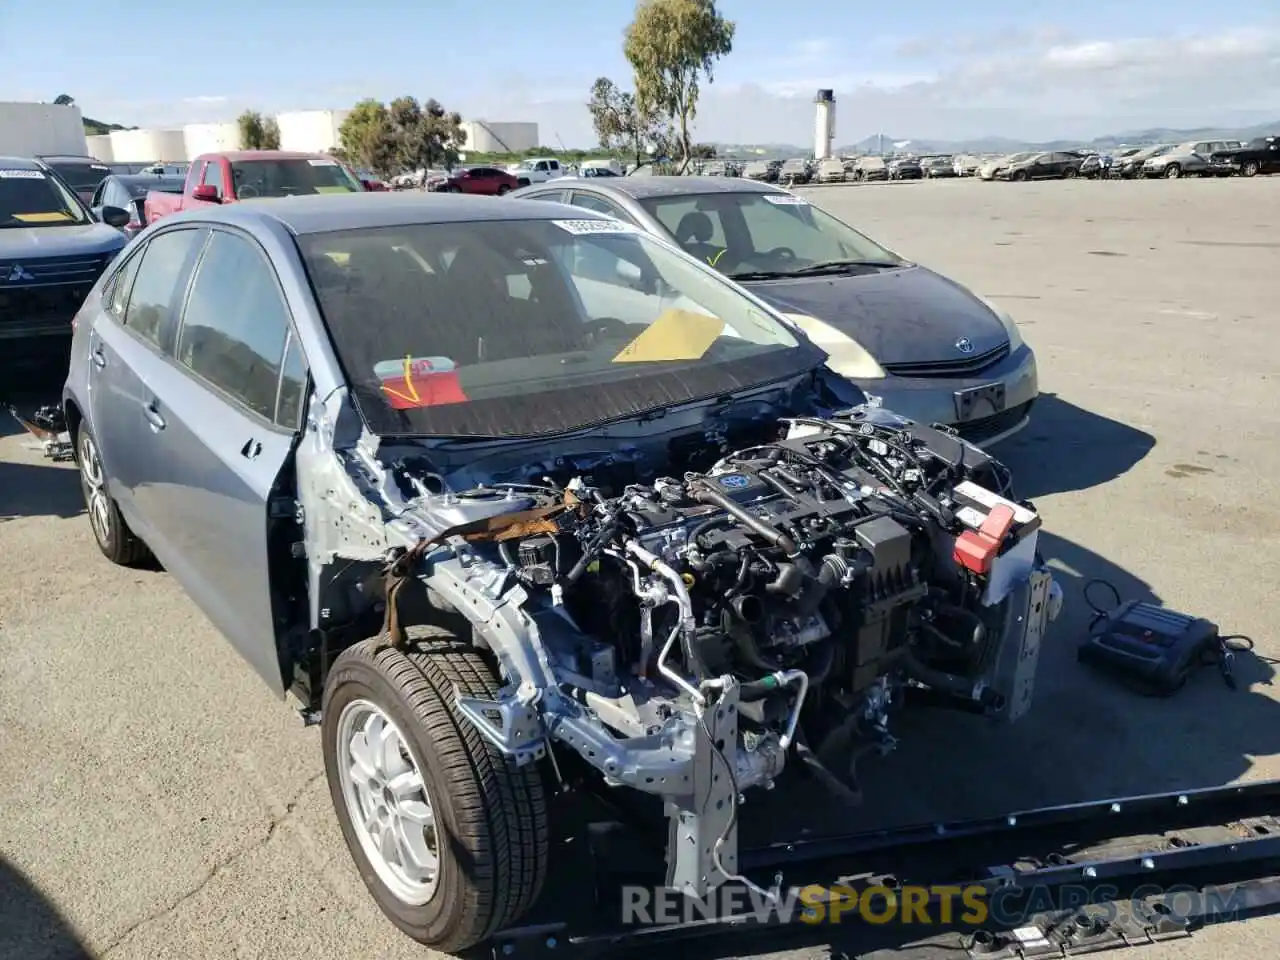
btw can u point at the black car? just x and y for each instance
(1260, 155)
(920, 342)
(81, 174)
(129, 192)
(906, 169)
(52, 251)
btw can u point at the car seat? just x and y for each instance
(694, 235)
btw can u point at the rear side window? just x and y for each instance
(235, 323)
(163, 264)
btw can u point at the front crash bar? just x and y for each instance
(1222, 839)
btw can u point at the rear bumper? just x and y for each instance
(934, 399)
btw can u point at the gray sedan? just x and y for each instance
(276, 400)
(923, 344)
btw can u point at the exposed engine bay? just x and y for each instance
(695, 636)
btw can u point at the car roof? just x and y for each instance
(325, 213)
(143, 178)
(72, 158)
(235, 156)
(20, 163)
(643, 188)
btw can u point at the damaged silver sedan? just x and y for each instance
(499, 490)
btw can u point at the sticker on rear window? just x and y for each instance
(584, 227)
(323, 163)
(21, 174)
(786, 199)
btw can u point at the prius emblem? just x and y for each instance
(18, 273)
(964, 345)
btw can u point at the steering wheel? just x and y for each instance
(781, 253)
(246, 191)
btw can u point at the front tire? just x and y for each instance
(450, 837)
(117, 542)
(1249, 169)
(1173, 171)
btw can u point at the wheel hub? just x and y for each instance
(387, 802)
(95, 489)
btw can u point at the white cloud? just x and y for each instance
(206, 99)
(1035, 82)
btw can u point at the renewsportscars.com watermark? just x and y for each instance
(973, 905)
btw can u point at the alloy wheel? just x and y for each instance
(387, 802)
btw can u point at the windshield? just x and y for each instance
(1018, 157)
(534, 327)
(291, 177)
(31, 198)
(774, 232)
(81, 176)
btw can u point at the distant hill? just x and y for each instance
(884, 142)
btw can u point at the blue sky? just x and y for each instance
(919, 68)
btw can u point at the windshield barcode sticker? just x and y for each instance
(21, 175)
(583, 227)
(786, 199)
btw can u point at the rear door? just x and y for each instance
(127, 349)
(228, 433)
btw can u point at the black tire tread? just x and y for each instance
(502, 810)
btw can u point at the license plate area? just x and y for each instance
(979, 402)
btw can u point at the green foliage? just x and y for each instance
(671, 45)
(270, 134)
(621, 126)
(366, 137)
(427, 135)
(404, 135)
(64, 100)
(253, 131)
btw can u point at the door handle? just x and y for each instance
(251, 449)
(152, 413)
(98, 357)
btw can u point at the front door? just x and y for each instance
(229, 431)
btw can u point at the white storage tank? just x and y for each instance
(99, 147)
(310, 131)
(824, 124)
(488, 136)
(146, 146)
(210, 138)
(29, 129)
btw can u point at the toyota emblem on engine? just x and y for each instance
(964, 345)
(734, 480)
(17, 273)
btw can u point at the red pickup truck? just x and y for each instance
(217, 178)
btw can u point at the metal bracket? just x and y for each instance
(702, 818)
(510, 725)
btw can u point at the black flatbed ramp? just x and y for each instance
(1058, 881)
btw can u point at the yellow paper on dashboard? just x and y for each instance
(676, 335)
(56, 216)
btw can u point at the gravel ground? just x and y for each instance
(159, 802)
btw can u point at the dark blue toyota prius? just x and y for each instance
(923, 344)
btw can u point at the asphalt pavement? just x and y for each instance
(156, 801)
